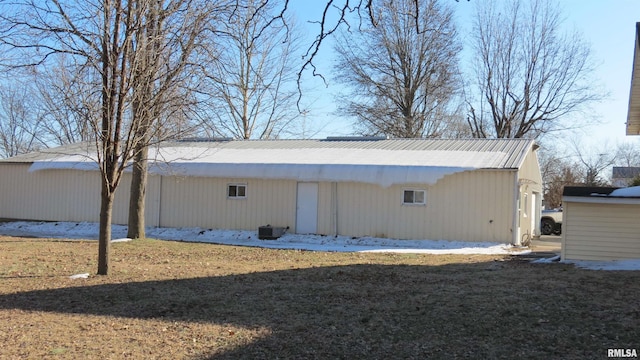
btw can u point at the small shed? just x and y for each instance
(470, 190)
(601, 223)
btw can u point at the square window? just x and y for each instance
(415, 197)
(408, 196)
(237, 191)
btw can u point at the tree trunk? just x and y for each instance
(137, 196)
(104, 240)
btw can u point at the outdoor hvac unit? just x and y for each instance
(270, 232)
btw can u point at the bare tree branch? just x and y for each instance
(402, 77)
(528, 74)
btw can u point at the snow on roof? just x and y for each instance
(384, 162)
(633, 191)
(601, 192)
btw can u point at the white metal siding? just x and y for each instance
(530, 169)
(471, 206)
(600, 231)
(530, 180)
(326, 208)
(474, 206)
(65, 195)
(203, 202)
(49, 195)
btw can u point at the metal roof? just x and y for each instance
(512, 151)
(374, 161)
(48, 154)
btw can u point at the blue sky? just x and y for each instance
(609, 26)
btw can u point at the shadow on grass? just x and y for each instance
(479, 310)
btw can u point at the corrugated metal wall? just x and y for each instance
(203, 202)
(600, 231)
(530, 169)
(472, 206)
(530, 200)
(49, 195)
(63, 195)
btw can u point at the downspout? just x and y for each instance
(160, 201)
(515, 233)
(334, 207)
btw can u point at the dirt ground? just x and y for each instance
(175, 300)
(547, 244)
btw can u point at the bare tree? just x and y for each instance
(67, 102)
(20, 120)
(628, 154)
(99, 39)
(557, 172)
(163, 49)
(593, 163)
(402, 70)
(566, 175)
(578, 165)
(528, 74)
(252, 73)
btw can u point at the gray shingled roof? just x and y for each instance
(620, 172)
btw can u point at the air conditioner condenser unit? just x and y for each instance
(269, 232)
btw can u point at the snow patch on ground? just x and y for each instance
(86, 230)
(79, 276)
(632, 264)
(548, 260)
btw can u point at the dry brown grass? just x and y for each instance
(182, 300)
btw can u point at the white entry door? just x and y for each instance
(307, 208)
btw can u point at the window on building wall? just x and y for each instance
(237, 191)
(525, 203)
(414, 197)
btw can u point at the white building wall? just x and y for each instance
(597, 231)
(327, 211)
(66, 195)
(471, 206)
(49, 195)
(203, 202)
(530, 197)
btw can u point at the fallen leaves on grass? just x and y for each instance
(183, 300)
